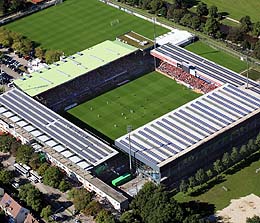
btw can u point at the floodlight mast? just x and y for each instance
(154, 41)
(129, 130)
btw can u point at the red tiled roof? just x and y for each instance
(10, 205)
(30, 219)
(36, 1)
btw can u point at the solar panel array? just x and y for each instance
(206, 67)
(191, 123)
(53, 130)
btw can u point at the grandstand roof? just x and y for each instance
(176, 133)
(176, 37)
(204, 67)
(54, 131)
(73, 66)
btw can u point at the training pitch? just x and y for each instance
(135, 103)
(75, 25)
(222, 58)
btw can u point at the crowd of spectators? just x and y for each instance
(187, 79)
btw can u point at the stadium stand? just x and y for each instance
(65, 145)
(60, 87)
(195, 133)
(187, 79)
(204, 68)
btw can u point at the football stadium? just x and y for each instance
(185, 112)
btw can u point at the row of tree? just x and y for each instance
(84, 202)
(220, 165)
(205, 19)
(12, 5)
(24, 46)
(53, 177)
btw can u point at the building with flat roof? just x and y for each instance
(202, 127)
(65, 145)
(71, 67)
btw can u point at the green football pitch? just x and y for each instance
(135, 103)
(75, 25)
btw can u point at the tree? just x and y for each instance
(192, 182)
(226, 160)
(256, 29)
(257, 50)
(52, 56)
(245, 24)
(218, 167)
(195, 22)
(211, 26)
(93, 208)
(202, 9)
(52, 177)
(257, 141)
(64, 185)
(183, 186)
(31, 195)
(213, 11)
(255, 219)
(186, 20)
(42, 169)
(46, 212)
(200, 176)
(128, 217)
(251, 145)
(153, 204)
(6, 176)
(209, 174)
(235, 34)
(24, 154)
(81, 198)
(156, 5)
(234, 156)
(104, 217)
(243, 151)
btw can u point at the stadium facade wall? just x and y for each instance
(205, 154)
(96, 82)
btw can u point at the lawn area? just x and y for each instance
(252, 74)
(237, 8)
(219, 57)
(240, 184)
(75, 25)
(149, 96)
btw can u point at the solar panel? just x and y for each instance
(215, 111)
(194, 123)
(164, 140)
(226, 105)
(176, 132)
(155, 141)
(241, 96)
(181, 129)
(231, 102)
(210, 114)
(139, 152)
(148, 150)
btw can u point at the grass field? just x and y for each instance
(149, 96)
(240, 184)
(237, 8)
(217, 56)
(252, 74)
(78, 24)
